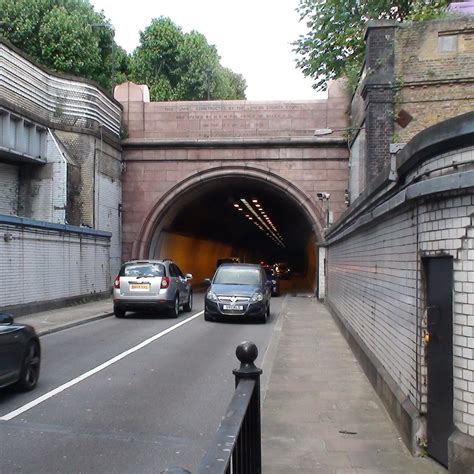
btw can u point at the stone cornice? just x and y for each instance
(147, 143)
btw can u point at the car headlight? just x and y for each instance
(257, 297)
(211, 296)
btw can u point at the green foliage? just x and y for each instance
(64, 35)
(69, 36)
(182, 66)
(334, 45)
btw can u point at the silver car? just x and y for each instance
(152, 284)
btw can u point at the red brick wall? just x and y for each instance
(171, 142)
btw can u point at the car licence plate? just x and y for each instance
(140, 286)
(230, 307)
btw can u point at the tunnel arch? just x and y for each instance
(167, 207)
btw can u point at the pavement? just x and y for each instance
(320, 414)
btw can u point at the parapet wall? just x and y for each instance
(54, 100)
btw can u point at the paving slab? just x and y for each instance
(46, 322)
(320, 413)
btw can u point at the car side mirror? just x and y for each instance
(189, 276)
(6, 318)
(207, 281)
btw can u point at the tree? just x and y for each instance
(334, 45)
(64, 35)
(182, 66)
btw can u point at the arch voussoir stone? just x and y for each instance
(148, 226)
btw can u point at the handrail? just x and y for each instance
(237, 445)
(219, 456)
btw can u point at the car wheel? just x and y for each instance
(175, 309)
(189, 305)
(119, 313)
(263, 319)
(30, 368)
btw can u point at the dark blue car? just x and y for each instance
(238, 291)
(273, 279)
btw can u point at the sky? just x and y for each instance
(252, 37)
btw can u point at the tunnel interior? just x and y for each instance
(237, 217)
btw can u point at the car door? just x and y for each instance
(182, 285)
(174, 281)
(10, 353)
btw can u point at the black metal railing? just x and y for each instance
(237, 444)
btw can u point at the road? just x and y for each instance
(157, 406)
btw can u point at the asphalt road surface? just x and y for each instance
(132, 395)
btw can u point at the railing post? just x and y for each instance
(247, 353)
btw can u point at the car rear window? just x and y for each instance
(143, 269)
(237, 276)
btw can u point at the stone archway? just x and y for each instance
(151, 222)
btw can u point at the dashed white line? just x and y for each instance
(80, 378)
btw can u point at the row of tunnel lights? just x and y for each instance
(260, 218)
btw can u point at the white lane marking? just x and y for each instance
(61, 388)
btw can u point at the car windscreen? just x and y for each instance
(237, 276)
(143, 270)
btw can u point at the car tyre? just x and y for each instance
(263, 319)
(174, 312)
(188, 306)
(30, 368)
(119, 313)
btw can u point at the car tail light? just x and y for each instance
(117, 282)
(165, 282)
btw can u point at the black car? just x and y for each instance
(20, 354)
(273, 280)
(238, 290)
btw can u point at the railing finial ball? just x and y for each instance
(246, 352)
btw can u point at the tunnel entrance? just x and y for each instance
(234, 216)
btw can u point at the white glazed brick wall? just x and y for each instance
(372, 284)
(9, 189)
(448, 226)
(74, 265)
(322, 273)
(373, 280)
(59, 194)
(109, 195)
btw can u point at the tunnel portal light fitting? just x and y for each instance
(265, 225)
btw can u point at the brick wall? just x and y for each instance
(38, 265)
(378, 96)
(152, 173)
(9, 189)
(375, 280)
(232, 118)
(434, 70)
(109, 218)
(71, 175)
(415, 75)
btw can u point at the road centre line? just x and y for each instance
(80, 378)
